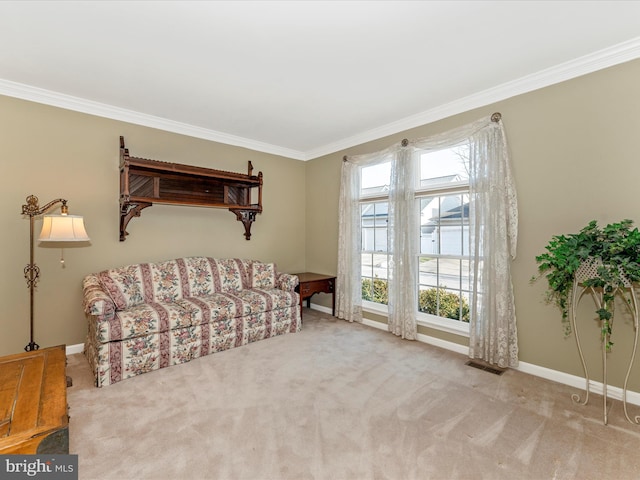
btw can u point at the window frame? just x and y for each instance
(444, 324)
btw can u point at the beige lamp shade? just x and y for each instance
(63, 228)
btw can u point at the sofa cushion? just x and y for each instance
(199, 276)
(143, 283)
(214, 307)
(166, 281)
(258, 300)
(263, 275)
(223, 306)
(124, 285)
(231, 274)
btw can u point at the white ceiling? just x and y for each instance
(301, 78)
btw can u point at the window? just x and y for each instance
(373, 226)
(451, 207)
(442, 193)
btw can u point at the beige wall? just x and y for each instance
(52, 153)
(575, 158)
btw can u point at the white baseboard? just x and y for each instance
(578, 382)
(71, 349)
(524, 367)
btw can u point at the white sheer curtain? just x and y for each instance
(493, 226)
(493, 219)
(403, 239)
(493, 216)
(349, 278)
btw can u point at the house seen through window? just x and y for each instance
(442, 193)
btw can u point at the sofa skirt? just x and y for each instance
(114, 361)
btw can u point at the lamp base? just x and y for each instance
(31, 347)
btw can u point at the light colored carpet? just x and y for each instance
(346, 402)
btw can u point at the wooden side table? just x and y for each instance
(33, 402)
(312, 283)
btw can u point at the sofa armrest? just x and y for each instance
(287, 282)
(95, 300)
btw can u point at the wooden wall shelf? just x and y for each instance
(144, 182)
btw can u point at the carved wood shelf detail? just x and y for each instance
(144, 182)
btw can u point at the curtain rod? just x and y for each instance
(495, 117)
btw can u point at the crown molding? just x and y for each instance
(68, 102)
(620, 53)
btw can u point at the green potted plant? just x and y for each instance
(605, 259)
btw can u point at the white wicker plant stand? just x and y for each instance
(587, 271)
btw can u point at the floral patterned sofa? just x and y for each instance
(152, 315)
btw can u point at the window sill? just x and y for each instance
(423, 319)
(376, 308)
(444, 325)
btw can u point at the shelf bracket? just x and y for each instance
(247, 217)
(127, 212)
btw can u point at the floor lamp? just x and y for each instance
(55, 228)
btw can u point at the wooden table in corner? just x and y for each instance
(33, 402)
(312, 283)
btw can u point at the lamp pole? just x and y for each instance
(32, 271)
